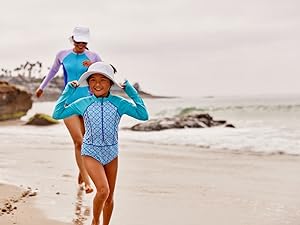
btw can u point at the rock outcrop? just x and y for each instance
(14, 101)
(192, 120)
(41, 119)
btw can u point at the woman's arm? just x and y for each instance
(54, 69)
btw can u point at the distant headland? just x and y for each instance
(28, 77)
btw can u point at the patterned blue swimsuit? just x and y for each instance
(101, 119)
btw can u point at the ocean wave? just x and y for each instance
(232, 108)
(260, 140)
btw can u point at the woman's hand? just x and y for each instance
(86, 63)
(39, 92)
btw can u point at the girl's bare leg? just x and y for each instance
(76, 129)
(111, 170)
(98, 176)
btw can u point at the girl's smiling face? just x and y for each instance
(99, 85)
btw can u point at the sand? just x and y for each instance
(164, 185)
(17, 207)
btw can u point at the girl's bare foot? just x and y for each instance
(88, 189)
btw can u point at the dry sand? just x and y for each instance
(171, 185)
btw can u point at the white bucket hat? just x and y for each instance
(81, 34)
(98, 67)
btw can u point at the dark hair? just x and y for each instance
(114, 68)
(88, 80)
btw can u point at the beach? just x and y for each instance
(233, 61)
(157, 184)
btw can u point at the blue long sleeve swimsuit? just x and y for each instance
(101, 117)
(72, 64)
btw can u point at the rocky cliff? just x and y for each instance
(14, 101)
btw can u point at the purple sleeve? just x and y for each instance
(94, 57)
(54, 69)
(97, 58)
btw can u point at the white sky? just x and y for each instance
(171, 47)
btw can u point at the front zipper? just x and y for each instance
(102, 120)
(78, 69)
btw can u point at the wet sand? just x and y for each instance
(17, 207)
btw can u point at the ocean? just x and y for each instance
(266, 124)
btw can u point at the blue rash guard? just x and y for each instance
(73, 68)
(101, 117)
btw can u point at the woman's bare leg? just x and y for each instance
(98, 176)
(76, 129)
(111, 170)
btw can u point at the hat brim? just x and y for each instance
(78, 39)
(83, 79)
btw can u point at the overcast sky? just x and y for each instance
(171, 47)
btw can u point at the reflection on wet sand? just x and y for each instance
(82, 212)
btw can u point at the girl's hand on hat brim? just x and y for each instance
(123, 85)
(75, 83)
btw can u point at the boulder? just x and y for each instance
(190, 120)
(14, 101)
(41, 119)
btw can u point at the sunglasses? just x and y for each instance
(78, 43)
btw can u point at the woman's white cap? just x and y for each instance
(81, 34)
(98, 67)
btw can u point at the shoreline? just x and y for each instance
(19, 122)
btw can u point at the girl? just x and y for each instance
(101, 114)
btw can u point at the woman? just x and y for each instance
(101, 113)
(74, 62)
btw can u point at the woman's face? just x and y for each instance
(79, 47)
(99, 85)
